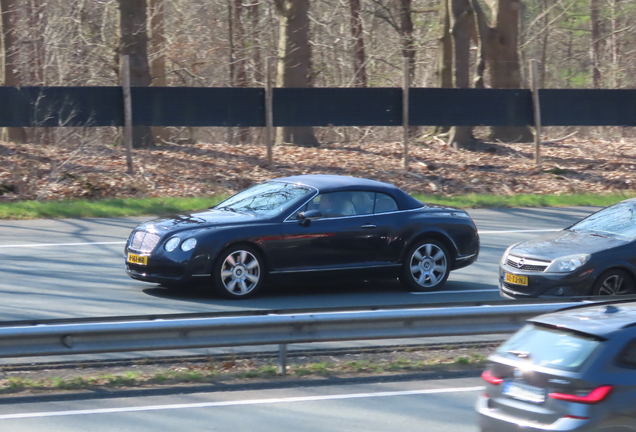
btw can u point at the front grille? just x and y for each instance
(526, 264)
(517, 289)
(144, 241)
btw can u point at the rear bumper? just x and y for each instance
(492, 420)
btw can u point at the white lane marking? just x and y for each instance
(456, 292)
(60, 244)
(237, 403)
(517, 231)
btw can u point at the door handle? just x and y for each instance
(368, 226)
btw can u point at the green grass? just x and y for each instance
(103, 208)
(164, 206)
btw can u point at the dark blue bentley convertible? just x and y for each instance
(305, 225)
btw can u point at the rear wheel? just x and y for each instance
(426, 267)
(239, 272)
(614, 282)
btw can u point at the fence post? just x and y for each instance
(269, 112)
(282, 359)
(537, 111)
(128, 133)
(405, 111)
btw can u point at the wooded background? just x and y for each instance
(317, 43)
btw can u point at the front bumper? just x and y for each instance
(179, 267)
(541, 284)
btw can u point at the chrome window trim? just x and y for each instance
(350, 216)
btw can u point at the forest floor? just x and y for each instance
(57, 172)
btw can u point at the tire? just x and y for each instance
(614, 282)
(426, 267)
(239, 272)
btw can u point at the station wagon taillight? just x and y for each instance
(490, 378)
(595, 396)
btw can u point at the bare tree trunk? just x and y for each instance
(614, 43)
(408, 47)
(595, 50)
(254, 14)
(296, 63)
(134, 43)
(460, 13)
(239, 78)
(444, 55)
(505, 71)
(359, 55)
(158, 58)
(10, 60)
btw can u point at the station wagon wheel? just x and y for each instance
(614, 282)
(426, 267)
(239, 272)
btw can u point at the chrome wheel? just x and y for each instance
(615, 283)
(429, 265)
(240, 273)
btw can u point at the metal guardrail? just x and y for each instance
(165, 334)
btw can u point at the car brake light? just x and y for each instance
(595, 396)
(490, 378)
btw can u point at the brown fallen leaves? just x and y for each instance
(59, 172)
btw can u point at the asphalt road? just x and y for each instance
(74, 268)
(437, 405)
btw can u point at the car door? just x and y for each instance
(335, 241)
(390, 226)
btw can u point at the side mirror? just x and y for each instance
(308, 216)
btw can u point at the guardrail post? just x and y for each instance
(282, 359)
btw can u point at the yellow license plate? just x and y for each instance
(517, 280)
(137, 259)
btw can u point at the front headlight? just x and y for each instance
(172, 244)
(568, 263)
(189, 244)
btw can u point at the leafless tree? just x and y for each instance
(10, 59)
(134, 43)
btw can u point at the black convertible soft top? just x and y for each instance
(333, 183)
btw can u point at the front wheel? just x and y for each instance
(614, 282)
(426, 267)
(239, 272)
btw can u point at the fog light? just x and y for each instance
(559, 291)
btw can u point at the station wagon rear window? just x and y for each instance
(555, 348)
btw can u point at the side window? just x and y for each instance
(363, 202)
(335, 204)
(384, 203)
(627, 357)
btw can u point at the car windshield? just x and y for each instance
(549, 347)
(270, 198)
(618, 220)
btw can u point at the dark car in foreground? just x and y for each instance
(303, 226)
(595, 256)
(572, 370)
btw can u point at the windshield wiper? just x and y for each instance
(227, 208)
(520, 354)
(595, 234)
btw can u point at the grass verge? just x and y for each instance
(242, 371)
(162, 206)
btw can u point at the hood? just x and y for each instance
(563, 243)
(201, 219)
